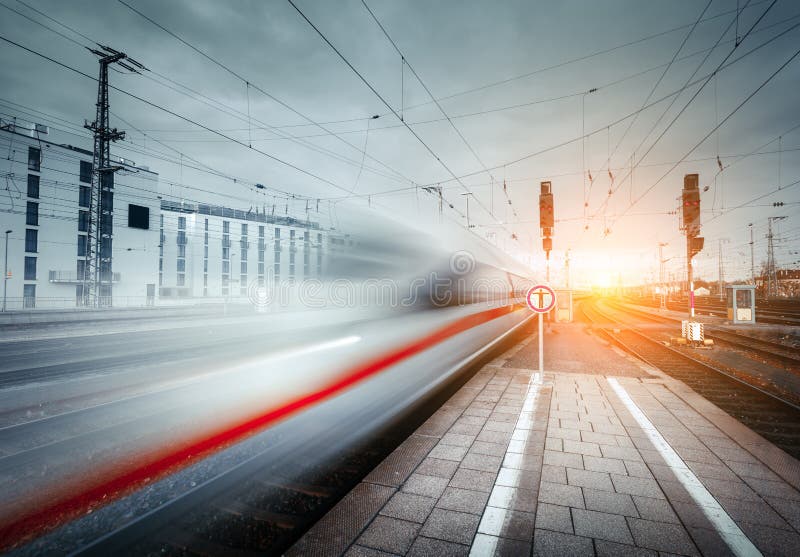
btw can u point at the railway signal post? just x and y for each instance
(541, 299)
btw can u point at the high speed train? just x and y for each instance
(398, 313)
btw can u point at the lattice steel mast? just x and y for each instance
(97, 271)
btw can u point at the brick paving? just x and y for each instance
(564, 468)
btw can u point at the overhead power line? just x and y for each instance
(696, 93)
(167, 82)
(621, 119)
(442, 110)
(715, 128)
(258, 88)
(179, 116)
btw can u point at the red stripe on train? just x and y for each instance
(79, 500)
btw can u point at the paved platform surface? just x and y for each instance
(602, 457)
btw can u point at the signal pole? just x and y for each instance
(772, 282)
(97, 272)
(661, 269)
(721, 270)
(752, 258)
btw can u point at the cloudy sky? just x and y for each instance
(527, 91)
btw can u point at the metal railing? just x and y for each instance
(72, 277)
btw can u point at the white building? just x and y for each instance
(45, 205)
(210, 251)
(162, 251)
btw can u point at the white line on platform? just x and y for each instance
(739, 543)
(493, 518)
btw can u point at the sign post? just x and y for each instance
(541, 299)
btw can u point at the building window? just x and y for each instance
(32, 214)
(206, 229)
(205, 281)
(160, 264)
(226, 253)
(81, 246)
(181, 265)
(86, 172)
(261, 269)
(226, 227)
(261, 256)
(181, 223)
(277, 271)
(31, 240)
(30, 268)
(181, 237)
(33, 186)
(84, 196)
(80, 269)
(277, 233)
(138, 217)
(34, 158)
(205, 265)
(277, 256)
(29, 296)
(243, 267)
(226, 267)
(244, 230)
(205, 252)
(260, 231)
(181, 279)
(83, 221)
(244, 255)
(182, 250)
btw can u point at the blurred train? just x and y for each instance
(398, 313)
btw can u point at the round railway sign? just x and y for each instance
(541, 298)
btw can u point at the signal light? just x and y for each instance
(547, 244)
(546, 216)
(690, 197)
(778, 204)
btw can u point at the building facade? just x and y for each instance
(208, 251)
(45, 206)
(161, 251)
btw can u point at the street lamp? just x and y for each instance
(5, 272)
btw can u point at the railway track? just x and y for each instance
(768, 415)
(777, 314)
(262, 505)
(771, 351)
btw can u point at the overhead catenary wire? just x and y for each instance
(217, 105)
(375, 92)
(578, 58)
(439, 107)
(177, 115)
(699, 90)
(255, 86)
(661, 78)
(730, 114)
(630, 114)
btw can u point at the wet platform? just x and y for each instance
(600, 455)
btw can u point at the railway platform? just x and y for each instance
(599, 455)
